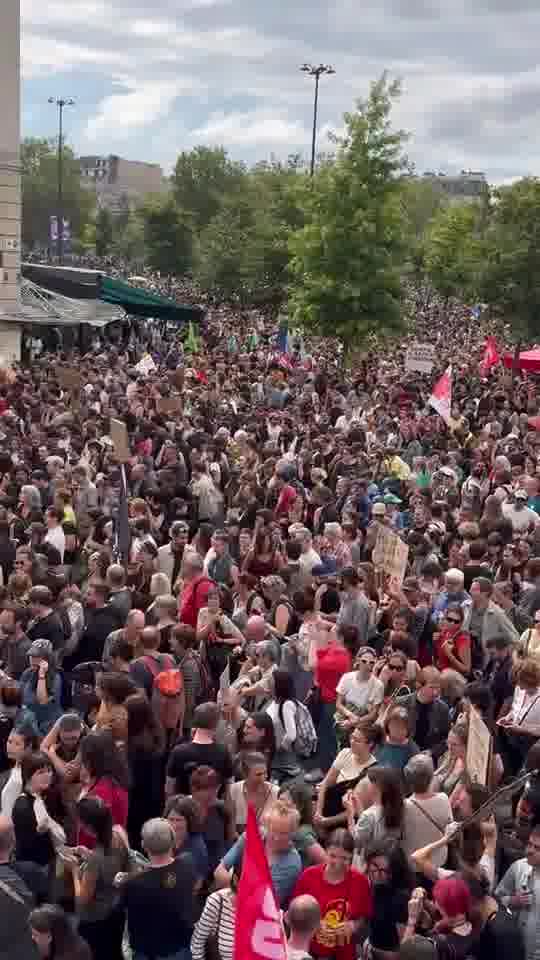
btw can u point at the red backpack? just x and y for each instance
(167, 690)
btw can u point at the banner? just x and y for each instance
(421, 357)
(441, 398)
(258, 930)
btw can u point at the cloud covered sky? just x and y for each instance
(154, 77)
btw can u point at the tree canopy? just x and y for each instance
(39, 163)
(347, 258)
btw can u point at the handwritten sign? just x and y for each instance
(391, 554)
(421, 357)
(119, 436)
(146, 365)
(478, 748)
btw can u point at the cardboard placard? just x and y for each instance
(168, 405)
(69, 378)
(421, 357)
(119, 436)
(146, 365)
(391, 554)
(478, 748)
(177, 378)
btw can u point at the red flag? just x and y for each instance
(441, 398)
(491, 356)
(258, 931)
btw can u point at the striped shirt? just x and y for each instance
(217, 918)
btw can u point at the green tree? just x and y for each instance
(222, 246)
(202, 178)
(104, 232)
(39, 180)
(346, 259)
(168, 236)
(510, 279)
(130, 242)
(421, 202)
(453, 250)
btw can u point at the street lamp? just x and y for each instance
(316, 72)
(61, 102)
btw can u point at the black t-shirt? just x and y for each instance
(500, 937)
(422, 723)
(390, 907)
(160, 908)
(186, 757)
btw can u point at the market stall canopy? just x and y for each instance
(45, 308)
(92, 284)
(529, 360)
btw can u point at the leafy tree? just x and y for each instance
(130, 242)
(168, 236)
(202, 178)
(223, 244)
(510, 279)
(453, 250)
(346, 259)
(39, 163)
(421, 201)
(104, 232)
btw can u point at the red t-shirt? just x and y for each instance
(193, 599)
(462, 641)
(286, 498)
(332, 662)
(115, 798)
(348, 900)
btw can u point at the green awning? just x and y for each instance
(145, 303)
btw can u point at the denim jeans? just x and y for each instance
(184, 954)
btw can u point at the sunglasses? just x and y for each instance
(395, 666)
(452, 620)
(368, 663)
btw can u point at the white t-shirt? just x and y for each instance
(361, 694)
(12, 789)
(521, 520)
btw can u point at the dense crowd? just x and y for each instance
(201, 624)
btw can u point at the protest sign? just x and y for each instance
(478, 748)
(146, 365)
(421, 357)
(169, 405)
(225, 681)
(391, 554)
(69, 378)
(119, 436)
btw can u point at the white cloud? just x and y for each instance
(265, 126)
(141, 105)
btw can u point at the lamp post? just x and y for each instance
(316, 72)
(61, 102)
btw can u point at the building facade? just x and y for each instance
(466, 187)
(118, 181)
(10, 178)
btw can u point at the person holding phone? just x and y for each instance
(41, 687)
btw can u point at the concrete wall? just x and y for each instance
(10, 184)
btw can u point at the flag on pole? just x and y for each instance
(192, 343)
(441, 398)
(491, 356)
(258, 930)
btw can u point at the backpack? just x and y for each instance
(167, 690)
(206, 691)
(306, 741)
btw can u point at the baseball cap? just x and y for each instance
(379, 510)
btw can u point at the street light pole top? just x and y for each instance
(62, 101)
(323, 68)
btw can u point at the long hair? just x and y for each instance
(389, 783)
(93, 813)
(401, 876)
(102, 758)
(144, 729)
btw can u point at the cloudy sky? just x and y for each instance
(153, 77)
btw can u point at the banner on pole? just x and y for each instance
(258, 930)
(441, 397)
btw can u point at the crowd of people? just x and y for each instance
(201, 624)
